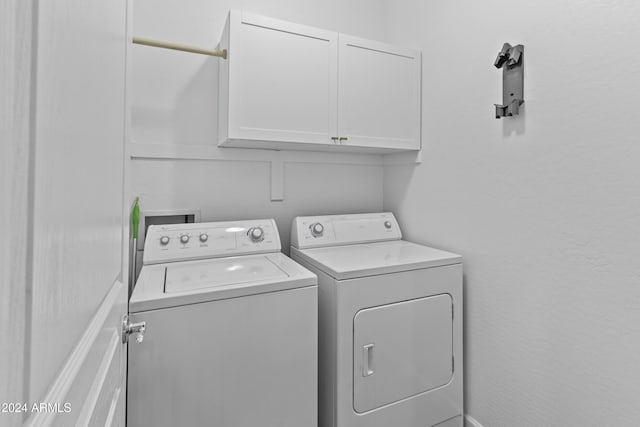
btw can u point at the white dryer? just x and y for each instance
(231, 330)
(390, 323)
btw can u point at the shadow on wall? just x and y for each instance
(196, 107)
(402, 173)
(516, 124)
(465, 348)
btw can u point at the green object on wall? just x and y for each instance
(135, 218)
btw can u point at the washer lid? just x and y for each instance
(191, 282)
(352, 261)
(183, 277)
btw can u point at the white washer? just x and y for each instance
(390, 323)
(231, 330)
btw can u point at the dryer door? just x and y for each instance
(401, 350)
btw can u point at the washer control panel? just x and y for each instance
(335, 230)
(182, 242)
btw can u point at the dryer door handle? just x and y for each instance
(367, 360)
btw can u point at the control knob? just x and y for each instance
(204, 237)
(256, 234)
(317, 229)
(387, 224)
(164, 240)
(184, 239)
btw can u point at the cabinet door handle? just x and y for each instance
(343, 138)
(367, 360)
(334, 139)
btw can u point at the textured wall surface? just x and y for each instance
(545, 208)
(175, 98)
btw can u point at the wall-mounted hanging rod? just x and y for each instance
(147, 42)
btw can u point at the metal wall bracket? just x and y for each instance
(511, 60)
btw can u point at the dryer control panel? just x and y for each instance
(334, 230)
(183, 242)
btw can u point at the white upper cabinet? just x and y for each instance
(278, 83)
(379, 95)
(289, 86)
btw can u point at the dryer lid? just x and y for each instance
(352, 261)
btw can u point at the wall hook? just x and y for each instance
(511, 60)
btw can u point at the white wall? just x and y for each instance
(545, 208)
(175, 105)
(225, 190)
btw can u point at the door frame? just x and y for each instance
(99, 351)
(16, 76)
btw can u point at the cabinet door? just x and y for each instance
(282, 81)
(379, 95)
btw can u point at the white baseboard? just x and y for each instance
(469, 421)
